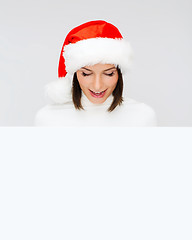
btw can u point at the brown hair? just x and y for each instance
(117, 92)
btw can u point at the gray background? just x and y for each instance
(32, 34)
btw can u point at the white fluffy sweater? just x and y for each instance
(129, 114)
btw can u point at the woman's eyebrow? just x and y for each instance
(104, 70)
(109, 69)
(86, 69)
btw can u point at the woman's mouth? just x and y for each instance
(97, 94)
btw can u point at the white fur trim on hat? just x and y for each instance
(98, 50)
(59, 91)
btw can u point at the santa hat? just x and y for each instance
(88, 44)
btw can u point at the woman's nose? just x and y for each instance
(97, 83)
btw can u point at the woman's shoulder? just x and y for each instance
(130, 102)
(49, 111)
(140, 110)
(127, 101)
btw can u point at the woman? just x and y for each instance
(89, 91)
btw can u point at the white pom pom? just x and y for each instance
(59, 91)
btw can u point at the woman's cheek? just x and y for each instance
(85, 82)
(82, 80)
(111, 81)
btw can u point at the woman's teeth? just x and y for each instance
(97, 92)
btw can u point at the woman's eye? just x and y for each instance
(84, 74)
(111, 74)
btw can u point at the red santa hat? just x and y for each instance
(88, 44)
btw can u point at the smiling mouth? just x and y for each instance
(97, 94)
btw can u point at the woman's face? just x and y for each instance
(98, 81)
